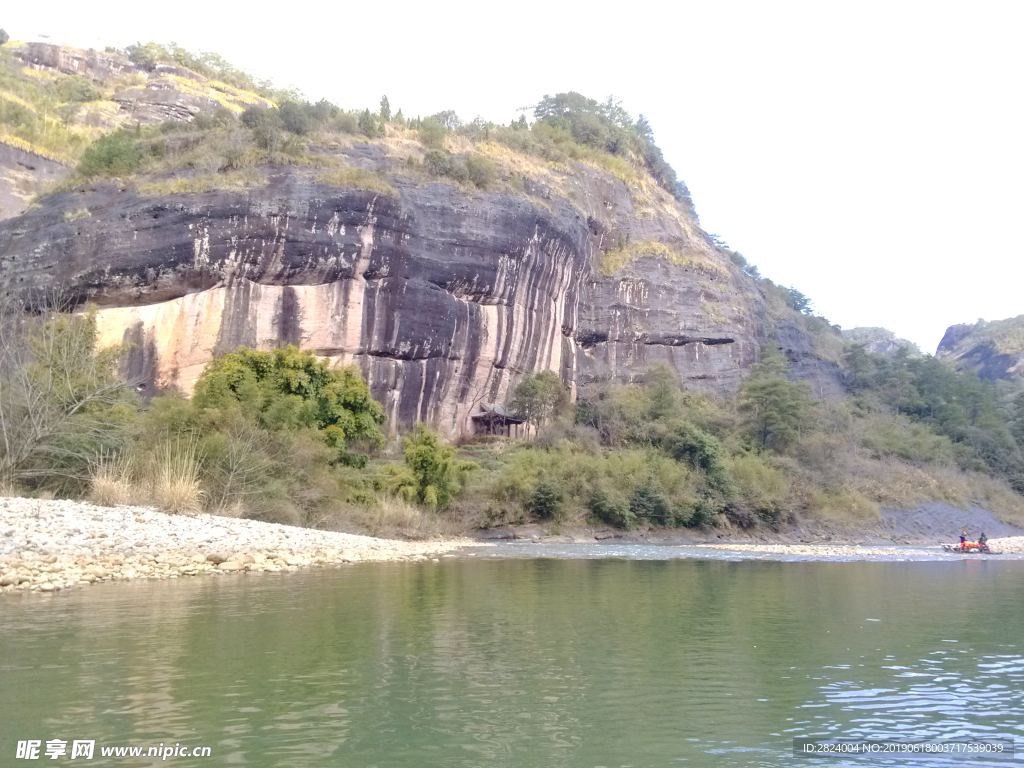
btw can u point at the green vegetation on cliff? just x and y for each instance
(642, 454)
(252, 126)
(281, 436)
(1005, 337)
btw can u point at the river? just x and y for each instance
(522, 661)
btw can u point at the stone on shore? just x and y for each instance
(48, 546)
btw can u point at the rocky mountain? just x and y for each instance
(880, 341)
(443, 293)
(52, 102)
(993, 350)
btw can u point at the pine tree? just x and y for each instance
(775, 409)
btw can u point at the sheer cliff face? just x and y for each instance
(443, 299)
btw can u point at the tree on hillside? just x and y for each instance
(774, 408)
(644, 130)
(62, 402)
(4, 37)
(799, 302)
(385, 109)
(538, 397)
(292, 389)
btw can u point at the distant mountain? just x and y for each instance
(992, 350)
(881, 341)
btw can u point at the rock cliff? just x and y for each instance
(992, 350)
(148, 95)
(23, 175)
(443, 297)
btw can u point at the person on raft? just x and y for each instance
(982, 540)
(963, 537)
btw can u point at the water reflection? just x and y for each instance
(522, 662)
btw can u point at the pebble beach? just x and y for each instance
(49, 546)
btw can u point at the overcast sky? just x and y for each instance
(867, 153)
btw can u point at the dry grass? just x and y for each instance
(617, 258)
(14, 141)
(15, 99)
(358, 178)
(229, 97)
(113, 481)
(176, 483)
(842, 505)
(75, 215)
(512, 162)
(395, 517)
(249, 178)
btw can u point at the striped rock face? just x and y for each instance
(442, 299)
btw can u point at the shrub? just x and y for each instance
(648, 503)
(267, 137)
(4, 37)
(547, 501)
(79, 89)
(480, 170)
(612, 509)
(295, 117)
(346, 123)
(437, 162)
(368, 125)
(438, 473)
(254, 117)
(702, 451)
(432, 133)
(115, 154)
(292, 389)
(62, 403)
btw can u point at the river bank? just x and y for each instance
(47, 546)
(929, 525)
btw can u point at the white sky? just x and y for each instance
(868, 153)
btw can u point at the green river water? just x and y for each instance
(521, 661)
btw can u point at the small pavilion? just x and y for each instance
(495, 420)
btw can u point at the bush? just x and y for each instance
(612, 509)
(547, 501)
(115, 154)
(437, 472)
(432, 133)
(346, 123)
(62, 403)
(292, 389)
(702, 451)
(480, 170)
(4, 37)
(77, 89)
(437, 162)
(295, 117)
(650, 504)
(253, 117)
(267, 137)
(368, 125)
